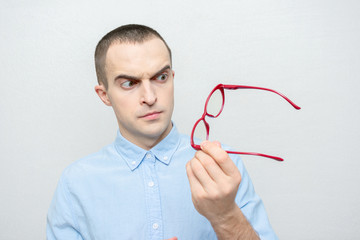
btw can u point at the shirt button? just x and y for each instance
(148, 155)
(151, 184)
(155, 226)
(165, 158)
(133, 162)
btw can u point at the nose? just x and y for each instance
(148, 93)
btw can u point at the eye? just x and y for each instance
(162, 77)
(128, 84)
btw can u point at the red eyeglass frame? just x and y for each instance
(221, 87)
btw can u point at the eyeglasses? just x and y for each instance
(213, 107)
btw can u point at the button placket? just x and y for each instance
(153, 207)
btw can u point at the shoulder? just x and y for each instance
(91, 164)
(184, 141)
(184, 147)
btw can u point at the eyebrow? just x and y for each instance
(125, 76)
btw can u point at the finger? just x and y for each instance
(220, 156)
(201, 175)
(195, 185)
(210, 165)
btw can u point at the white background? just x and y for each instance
(50, 115)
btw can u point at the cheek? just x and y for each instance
(170, 93)
(123, 106)
(167, 98)
(170, 103)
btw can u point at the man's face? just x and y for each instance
(140, 90)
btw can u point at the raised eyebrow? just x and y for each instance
(124, 76)
(167, 67)
(133, 78)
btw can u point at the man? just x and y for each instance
(150, 183)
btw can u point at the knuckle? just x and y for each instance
(201, 196)
(238, 179)
(227, 189)
(216, 195)
(207, 162)
(204, 159)
(195, 168)
(222, 157)
(196, 165)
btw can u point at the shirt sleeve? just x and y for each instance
(60, 221)
(252, 206)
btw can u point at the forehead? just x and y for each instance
(136, 59)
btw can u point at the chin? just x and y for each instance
(157, 131)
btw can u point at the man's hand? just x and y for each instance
(214, 181)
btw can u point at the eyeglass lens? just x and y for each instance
(200, 133)
(215, 103)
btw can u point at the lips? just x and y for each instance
(151, 115)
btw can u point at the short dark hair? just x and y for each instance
(131, 33)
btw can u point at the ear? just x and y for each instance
(173, 73)
(102, 93)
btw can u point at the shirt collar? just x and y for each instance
(134, 155)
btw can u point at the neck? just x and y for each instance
(144, 141)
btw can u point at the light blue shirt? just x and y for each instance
(126, 192)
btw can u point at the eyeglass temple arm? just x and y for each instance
(257, 154)
(234, 87)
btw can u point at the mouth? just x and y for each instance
(151, 116)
